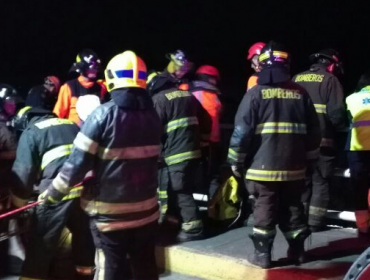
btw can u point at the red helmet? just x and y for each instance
(255, 49)
(208, 70)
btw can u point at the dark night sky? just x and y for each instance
(43, 37)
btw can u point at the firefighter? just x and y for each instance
(120, 142)
(358, 147)
(87, 65)
(45, 95)
(326, 93)
(175, 74)
(205, 89)
(185, 124)
(10, 103)
(45, 143)
(276, 130)
(253, 54)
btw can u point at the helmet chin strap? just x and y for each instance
(330, 68)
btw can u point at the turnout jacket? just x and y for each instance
(326, 93)
(8, 146)
(185, 124)
(277, 129)
(120, 142)
(42, 149)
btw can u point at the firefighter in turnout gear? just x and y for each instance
(120, 142)
(326, 93)
(87, 65)
(44, 146)
(358, 147)
(185, 124)
(276, 132)
(205, 89)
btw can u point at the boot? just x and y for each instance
(262, 253)
(296, 252)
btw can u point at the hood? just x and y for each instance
(132, 99)
(273, 75)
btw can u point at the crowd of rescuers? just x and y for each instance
(112, 159)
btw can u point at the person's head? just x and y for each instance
(179, 64)
(274, 55)
(330, 59)
(10, 100)
(364, 81)
(87, 64)
(208, 73)
(253, 54)
(26, 114)
(125, 70)
(52, 84)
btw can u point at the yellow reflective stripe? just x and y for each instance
(275, 175)
(281, 127)
(183, 122)
(100, 264)
(97, 207)
(23, 111)
(182, 157)
(127, 224)
(85, 270)
(7, 155)
(238, 157)
(129, 152)
(266, 55)
(192, 225)
(54, 154)
(259, 231)
(60, 185)
(74, 193)
(86, 144)
(313, 154)
(293, 234)
(52, 122)
(320, 108)
(317, 211)
(162, 194)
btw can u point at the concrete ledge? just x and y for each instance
(219, 267)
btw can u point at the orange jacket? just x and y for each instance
(65, 107)
(252, 81)
(207, 96)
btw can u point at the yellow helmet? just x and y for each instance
(125, 70)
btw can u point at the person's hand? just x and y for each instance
(46, 199)
(237, 170)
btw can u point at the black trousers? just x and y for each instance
(178, 181)
(46, 228)
(316, 196)
(359, 165)
(278, 203)
(113, 248)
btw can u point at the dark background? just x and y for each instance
(39, 38)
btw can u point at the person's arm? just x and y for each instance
(80, 161)
(245, 123)
(25, 168)
(63, 104)
(335, 108)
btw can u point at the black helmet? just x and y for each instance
(10, 100)
(274, 54)
(24, 116)
(327, 57)
(85, 60)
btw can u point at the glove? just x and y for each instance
(237, 170)
(47, 199)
